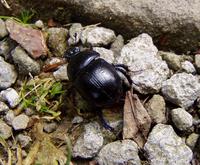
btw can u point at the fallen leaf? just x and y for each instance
(32, 40)
(137, 121)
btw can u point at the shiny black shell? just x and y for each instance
(95, 79)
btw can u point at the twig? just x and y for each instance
(32, 154)
(5, 4)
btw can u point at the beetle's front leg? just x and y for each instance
(103, 121)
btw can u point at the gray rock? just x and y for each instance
(197, 62)
(50, 127)
(5, 130)
(61, 73)
(11, 96)
(20, 122)
(9, 117)
(4, 48)
(156, 109)
(39, 24)
(24, 140)
(3, 108)
(173, 60)
(89, 143)
(119, 152)
(57, 40)
(117, 45)
(188, 67)
(172, 24)
(25, 63)
(182, 119)
(105, 54)
(77, 120)
(163, 146)
(148, 71)
(8, 75)
(75, 33)
(3, 30)
(192, 140)
(97, 36)
(181, 89)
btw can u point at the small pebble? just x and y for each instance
(182, 119)
(24, 140)
(39, 24)
(20, 122)
(77, 120)
(3, 108)
(5, 130)
(9, 117)
(50, 127)
(11, 96)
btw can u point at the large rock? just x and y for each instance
(163, 146)
(148, 71)
(173, 24)
(3, 31)
(181, 89)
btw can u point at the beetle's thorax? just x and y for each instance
(79, 62)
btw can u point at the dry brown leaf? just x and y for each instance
(137, 122)
(32, 40)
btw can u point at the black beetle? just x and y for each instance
(100, 83)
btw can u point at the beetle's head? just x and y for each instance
(71, 53)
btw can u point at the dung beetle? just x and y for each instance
(100, 83)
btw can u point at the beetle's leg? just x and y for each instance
(125, 67)
(103, 121)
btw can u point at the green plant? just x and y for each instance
(44, 95)
(26, 16)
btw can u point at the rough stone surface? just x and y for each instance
(3, 31)
(75, 33)
(197, 62)
(57, 39)
(9, 117)
(5, 130)
(24, 140)
(106, 54)
(148, 71)
(11, 96)
(25, 63)
(61, 73)
(163, 146)
(3, 108)
(119, 152)
(156, 109)
(192, 140)
(20, 122)
(181, 89)
(8, 75)
(182, 119)
(97, 36)
(89, 143)
(188, 67)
